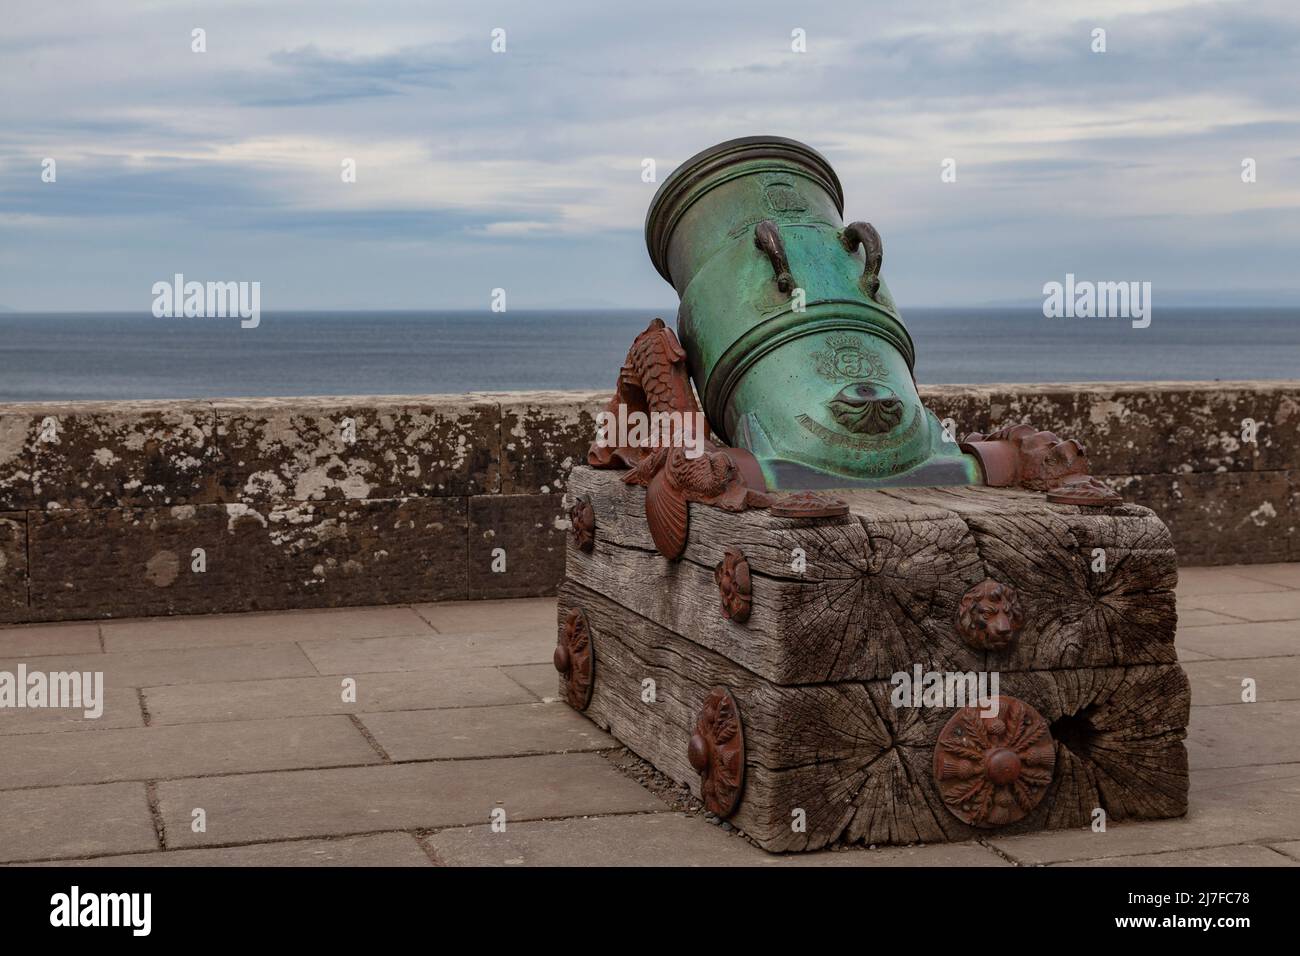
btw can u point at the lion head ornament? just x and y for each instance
(990, 616)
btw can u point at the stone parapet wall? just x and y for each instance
(1175, 447)
(111, 509)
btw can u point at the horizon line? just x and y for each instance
(488, 312)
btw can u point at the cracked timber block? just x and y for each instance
(1096, 705)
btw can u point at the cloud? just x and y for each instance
(524, 168)
(310, 76)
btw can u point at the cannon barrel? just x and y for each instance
(792, 338)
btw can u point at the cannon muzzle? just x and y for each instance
(792, 338)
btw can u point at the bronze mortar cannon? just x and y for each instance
(790, 336)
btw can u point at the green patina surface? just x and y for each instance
(794, 342)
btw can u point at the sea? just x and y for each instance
(74, 356)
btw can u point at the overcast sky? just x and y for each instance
(522, 170)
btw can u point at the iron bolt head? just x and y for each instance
(1004, 766)
(698, 753)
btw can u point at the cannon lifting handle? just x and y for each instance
(768, 238)
(864, 234)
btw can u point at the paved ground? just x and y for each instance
(239, 723)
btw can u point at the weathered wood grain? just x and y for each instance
(858, 768)
(881, 586)
(829, 627)
(1097, 583)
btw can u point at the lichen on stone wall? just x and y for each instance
(312, 502)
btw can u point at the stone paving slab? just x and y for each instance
(61, 822)
(181, 666)
(1233, 579)
(664, 839)
(228, 629)
(1248, 854)
(379, 849)
(46, 640)
(121, 709)
(1217, 779)
(151, 753)
(305, 696)
(1291, 849)
(643, 839)
(252, 808)
(481, 617)
(1265, 606)
(485, 732)
(1240, 735)
(1286, 575)
(429, 653)
(939, 855)
(540, 679)
(1220, 682)
(1258, 812)
(1242, 640)
(1200, 617)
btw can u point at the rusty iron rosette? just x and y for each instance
(575, 659)
(735, 586)
(717, 752)
(993, 770)
(1083, 490)
(990, 616)
(582, 524)
(808, 504)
